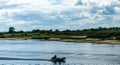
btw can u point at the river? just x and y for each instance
(75, 53)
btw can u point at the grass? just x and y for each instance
(37, 36)
(55, 36)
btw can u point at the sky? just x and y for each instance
(59, 14)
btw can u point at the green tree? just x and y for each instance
(11, 29)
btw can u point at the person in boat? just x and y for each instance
(55, 59)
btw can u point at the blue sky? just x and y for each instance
(59, 14)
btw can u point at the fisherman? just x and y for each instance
(54, 57)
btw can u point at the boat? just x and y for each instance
(56, 59)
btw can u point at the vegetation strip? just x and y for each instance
(98, 35)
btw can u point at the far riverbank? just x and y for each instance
(90, 40)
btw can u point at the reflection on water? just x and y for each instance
(76, 53)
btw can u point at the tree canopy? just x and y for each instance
(11, 29)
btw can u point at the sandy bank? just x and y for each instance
(87, 41)
(72, 40)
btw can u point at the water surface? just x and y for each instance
(76, 53)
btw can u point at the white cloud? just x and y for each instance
(117, 9)
(63, 14)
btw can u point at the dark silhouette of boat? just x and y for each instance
(56, 59)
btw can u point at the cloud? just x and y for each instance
(108, 10)
(56, 2)
(27, 16)
(79, 2)
(7, 5)
(59, 14)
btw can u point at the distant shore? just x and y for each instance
(72, 40)
(98, 41)
(14, 38)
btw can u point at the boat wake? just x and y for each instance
(7, 58)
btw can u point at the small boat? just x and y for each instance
(55, 59)
(58, 59)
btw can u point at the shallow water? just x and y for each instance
(76, 53)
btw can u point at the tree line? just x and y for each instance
(101, 33)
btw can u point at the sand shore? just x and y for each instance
(98, 41)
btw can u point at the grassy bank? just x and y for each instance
(53, 37)
(98, 35)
